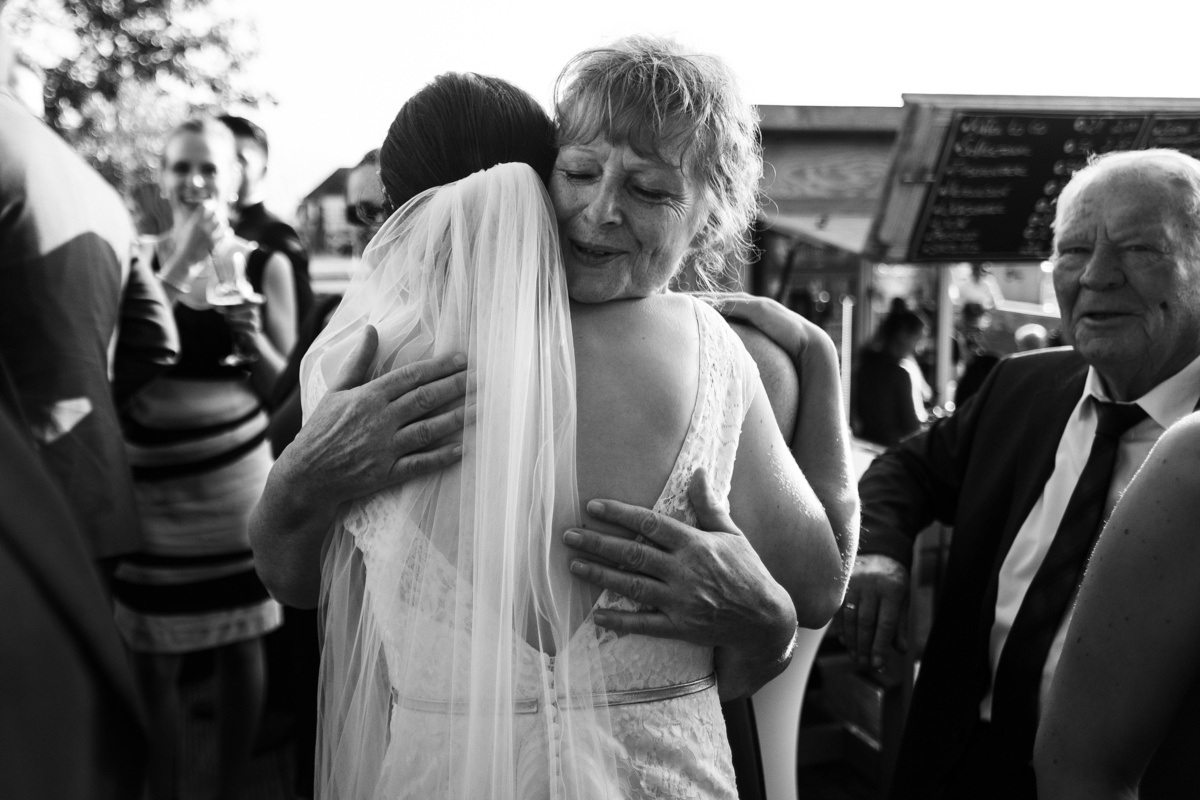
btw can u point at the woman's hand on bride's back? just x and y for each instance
(363, 436)
(704, 584)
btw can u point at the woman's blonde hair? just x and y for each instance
(654, 95)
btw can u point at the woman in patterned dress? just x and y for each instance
(197, 442)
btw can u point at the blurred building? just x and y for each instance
(321, 216)
(824, 171)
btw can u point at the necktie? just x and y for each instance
(1019, 673)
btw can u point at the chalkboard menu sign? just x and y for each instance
(999, 176)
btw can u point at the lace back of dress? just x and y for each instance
(444, 598)
(727, 384)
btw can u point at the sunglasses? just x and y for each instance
(365, 213)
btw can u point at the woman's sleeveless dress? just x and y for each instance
(196, 439)
(669, 748)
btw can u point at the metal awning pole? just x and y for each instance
(847, 349)
(945, 335)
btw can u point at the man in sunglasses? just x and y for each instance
(365, 206)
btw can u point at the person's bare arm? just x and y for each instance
(820, 441)
(773, 504)
(269, 330)
(360, 438)
(1133, 645)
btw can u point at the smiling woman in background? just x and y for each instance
(197, 442)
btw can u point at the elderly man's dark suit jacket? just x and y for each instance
(981, 471)
(73, 307)
(71, 724)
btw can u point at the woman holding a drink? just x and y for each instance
(197, 442)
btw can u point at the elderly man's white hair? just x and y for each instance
(1176, 168)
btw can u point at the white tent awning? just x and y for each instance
(843, 231)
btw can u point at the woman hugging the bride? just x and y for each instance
(462, 653)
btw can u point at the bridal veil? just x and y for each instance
(449, 666)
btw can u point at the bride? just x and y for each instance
(462, 655)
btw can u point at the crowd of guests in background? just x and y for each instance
(135, 447)
(162, 468)
(887, 398)
(892, 393)
(141, 416)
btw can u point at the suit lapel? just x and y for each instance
(1041, 430)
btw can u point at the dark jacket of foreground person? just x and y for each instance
(71, 726)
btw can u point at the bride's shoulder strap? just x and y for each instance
(723, 350)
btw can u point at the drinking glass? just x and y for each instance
(227, 287)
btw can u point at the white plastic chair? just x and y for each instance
(777, 718)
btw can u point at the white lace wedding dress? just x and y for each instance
(453, 693)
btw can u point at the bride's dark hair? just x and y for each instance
(459, 124)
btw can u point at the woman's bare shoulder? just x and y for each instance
(646, 348)
(656, 321)
(1163, 500)
(1181, 441)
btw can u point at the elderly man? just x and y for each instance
(366, 206)
(1027, 471)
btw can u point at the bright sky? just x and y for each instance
(340, 69)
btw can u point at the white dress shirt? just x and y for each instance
(1165, 404)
